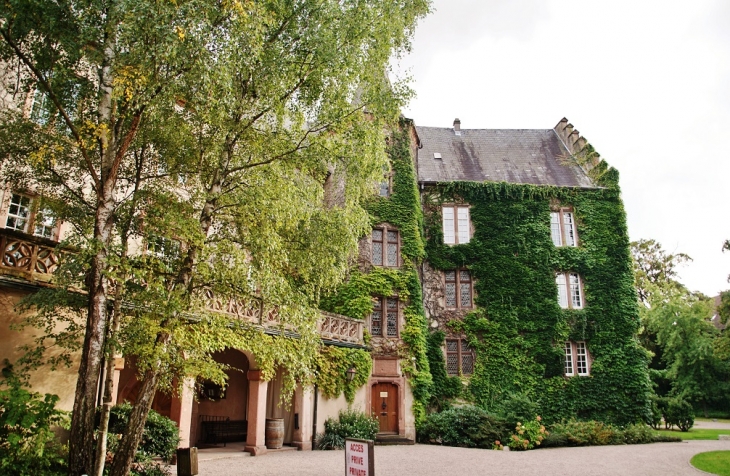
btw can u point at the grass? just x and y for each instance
(695, 433)
(715, 462)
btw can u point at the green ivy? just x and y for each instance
(333, 364)
(518, 328)
(401, 209)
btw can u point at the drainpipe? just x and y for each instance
(314, 422)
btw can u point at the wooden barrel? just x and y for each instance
(274, 433)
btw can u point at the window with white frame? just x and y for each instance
(18, 212)
(577, 361)
(385, 247)
(456, 224)
(459, 357)
(570, 290)
(384, 319)
(562, 228)
(458, 289)
(24, 216)
(45, 223)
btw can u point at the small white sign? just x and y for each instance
(357, 458)
(383, 394)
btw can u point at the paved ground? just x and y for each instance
(658, 459)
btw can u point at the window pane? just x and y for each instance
(575, 295)
(448, 213)
(44, 223)
(467, 363)
(464, 276)
(377, 235)
(450, 276)
(392, 237)
(376, 319)
(465, 294)
(18, 212)
(452, 345)
(463, 224)
(392, 254)
(555, 233)
(562, 290)
(569, 229)
(568, 359)
(581, 357)
(392, 317)
(377, 253)
(450, 292)
(452, 364)
(384, 189)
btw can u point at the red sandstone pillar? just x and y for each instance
(255, 443)
(303, 401)
(181, 411)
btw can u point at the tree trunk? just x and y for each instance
(124, 456)
(81, 439)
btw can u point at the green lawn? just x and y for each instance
(695, 434)
(715, 462)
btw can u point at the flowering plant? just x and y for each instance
(529, 435)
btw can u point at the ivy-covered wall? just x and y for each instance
(518, 328)
(402, 210)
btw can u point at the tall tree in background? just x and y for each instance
(655, 270)
(253, 106)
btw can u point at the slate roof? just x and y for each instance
(530, 156)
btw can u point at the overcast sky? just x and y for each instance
(645, 82)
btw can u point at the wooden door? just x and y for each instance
(385, 406)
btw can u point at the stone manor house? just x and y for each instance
(541, 159)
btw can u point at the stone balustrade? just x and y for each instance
(28, 257)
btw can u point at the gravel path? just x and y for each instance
(658, 459)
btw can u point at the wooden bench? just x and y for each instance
(217, 430)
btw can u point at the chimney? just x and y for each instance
(457, 126)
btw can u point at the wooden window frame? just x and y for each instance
(460, 353)
(380, 303)
(455, 208)
(384, 247)
(563, 230)
(457, 288)
(580, 364)
(568, 290)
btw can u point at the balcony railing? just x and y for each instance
(35, 259)
(28, 257)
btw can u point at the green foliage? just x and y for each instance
(160, 436)
(517, 408)
(658, 411)
(593, 433)
(518, 328)
(444, 387)
(655, 270)
(401, 209)
(679, 412)
(467, 426)
(528, 435)
(350, 424)
(28, 445)
(333, 363)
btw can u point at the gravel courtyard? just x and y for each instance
(658, 459)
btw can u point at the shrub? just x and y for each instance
(528, 435)
(658, 409)
(680, 412)
(589, 433)
(466, 426)
(517, 408)
(27, 442)
(350, 424)
(638, 434)
(159, 438)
